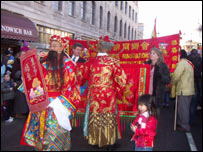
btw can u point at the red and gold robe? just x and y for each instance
(106, 82)
(41, 129)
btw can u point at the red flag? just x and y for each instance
(154, 30)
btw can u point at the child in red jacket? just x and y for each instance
(145, 124)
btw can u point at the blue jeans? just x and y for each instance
(143, 148)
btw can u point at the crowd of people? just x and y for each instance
(49, 129)
(13, 102)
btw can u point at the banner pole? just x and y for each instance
(176, 106)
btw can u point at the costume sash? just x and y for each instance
(190, 64)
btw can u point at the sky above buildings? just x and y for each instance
(172, 16)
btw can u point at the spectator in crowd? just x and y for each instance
(183, 80)
(159, 76)
(8, 59)
(8, 94)
(196, 60)
(20, 104)
(21, 108)
(3, 70)
(145, 124)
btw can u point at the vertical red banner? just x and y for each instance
(33, 81)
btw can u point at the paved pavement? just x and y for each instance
(166, 139)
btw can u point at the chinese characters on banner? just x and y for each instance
(137, 51)
(132, 55)
(33, 81)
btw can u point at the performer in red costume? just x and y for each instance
(106, 82)
(49, 129)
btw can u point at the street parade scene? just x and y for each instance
(101, 76)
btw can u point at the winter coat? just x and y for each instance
(160, 80)
(144, 136)
(3, 70)
(197, 62)
(7, 94)
(20, 103)
(183, 78)
(16, 67)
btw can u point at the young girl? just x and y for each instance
(144, 125)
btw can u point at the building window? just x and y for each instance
(133, 14)
(121, 27)
(116, 3)
(125, 30)
(45, 33)
(71, 8)
(132, 34)
(135, 17)
(126, 7)
(121, 7)
(100, 17)
(135, 34)
(83, 10)
(115, 24)
(108, 21)
(92, 12)
(129, 32)
(58, 5)
(129, 11)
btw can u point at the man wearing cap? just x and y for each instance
(106, 82)
(50, 128)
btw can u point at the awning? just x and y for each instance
(16, 26)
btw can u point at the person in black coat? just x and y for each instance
(196, 60)
(159, 76)
(77, 50)
(21, 108)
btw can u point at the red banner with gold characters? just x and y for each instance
(132, 55)
(33, 81)
(137, 51)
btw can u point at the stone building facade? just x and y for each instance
(85, 20)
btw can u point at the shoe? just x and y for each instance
(181, 129)
(199, 107)
(178, 125)
(20, 116)
(9, 120)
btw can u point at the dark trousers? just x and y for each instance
(7, 109)
(196, 99)
(184, 111)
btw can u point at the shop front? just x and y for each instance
(15, 28)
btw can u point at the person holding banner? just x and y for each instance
(159, 76)
(49, 129)
(106, 83)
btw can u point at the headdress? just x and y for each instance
(64, 41)
(105, 43)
